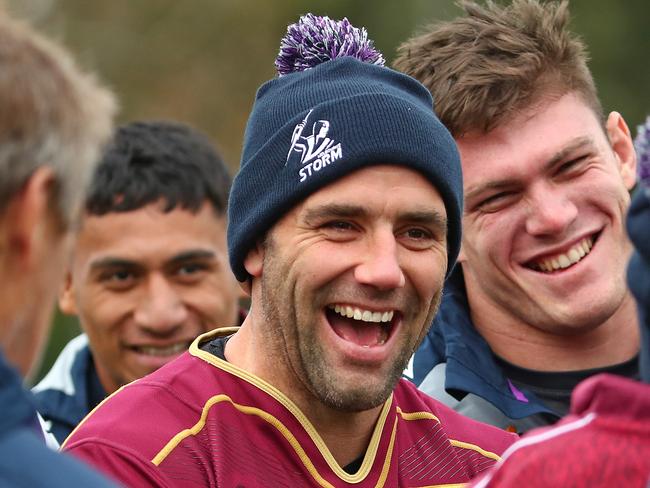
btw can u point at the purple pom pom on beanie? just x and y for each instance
(642, 146)
(314, 39)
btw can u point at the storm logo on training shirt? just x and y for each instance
(316, 150)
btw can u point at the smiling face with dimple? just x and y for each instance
(145, 283)
(350, 279)
(544, 243)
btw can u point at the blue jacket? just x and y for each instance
(70, 390)
(465, 375)
(25, 461)
(638, 273)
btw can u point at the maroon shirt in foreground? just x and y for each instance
(605, 442)
(200, 421)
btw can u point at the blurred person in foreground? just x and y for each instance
(605, 441)
(343, 222)
(149, 270)
(539, 301)
(54, 121)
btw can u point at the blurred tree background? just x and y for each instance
(201, 61)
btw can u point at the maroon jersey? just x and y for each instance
(200, 421)
(604, 442)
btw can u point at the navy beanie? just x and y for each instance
(310, 128)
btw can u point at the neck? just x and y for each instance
(612, 342)
(346, 434)
(16, 340)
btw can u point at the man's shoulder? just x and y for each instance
(462, 430)
(145, 414)
(605, 440)
(64, 377)
(26, 461)
(62, 396)
(612, 395)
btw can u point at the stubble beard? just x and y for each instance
(295, 339)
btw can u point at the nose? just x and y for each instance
(550, 212)
(380, 266)
(161, 310)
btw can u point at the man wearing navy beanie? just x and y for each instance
(344, 222)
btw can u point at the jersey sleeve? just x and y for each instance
(119, 463)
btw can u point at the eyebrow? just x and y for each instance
(191, 255)
(427, 217)
(329, 210)
(112, 262)
(558, 157)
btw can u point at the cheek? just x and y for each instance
(103, 317)
(427, 276)
(494, 236)
(212, 299)
(324, 263)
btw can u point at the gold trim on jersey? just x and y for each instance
(474, 447)
(357, 477)
(453, 442)
(373, 446)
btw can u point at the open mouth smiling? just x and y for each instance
(365, 328)
(561, 261)
(161, 351)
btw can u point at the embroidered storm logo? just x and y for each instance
(316, 149)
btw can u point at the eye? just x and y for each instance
(189, 269)
(496, 202)
(417, 238)
(341, 225)
(418, 234)
(190, 272)
(121, 275)
(339, 230)
(572, 166)
(120, 279)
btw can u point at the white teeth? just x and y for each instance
(362, 315)
(562, 261)
(162, 351)
(565, 262)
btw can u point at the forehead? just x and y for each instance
(529, 140)
(149, 234)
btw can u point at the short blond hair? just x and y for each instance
(496, 60)
(51, 114)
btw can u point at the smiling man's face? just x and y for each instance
(145, 283)
(544, 242)
(351, 278)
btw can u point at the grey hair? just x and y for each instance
(51, 114)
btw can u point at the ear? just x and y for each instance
(254, 261)
(28, 219)
(623, 147)
(67, 303)
(461, 254)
